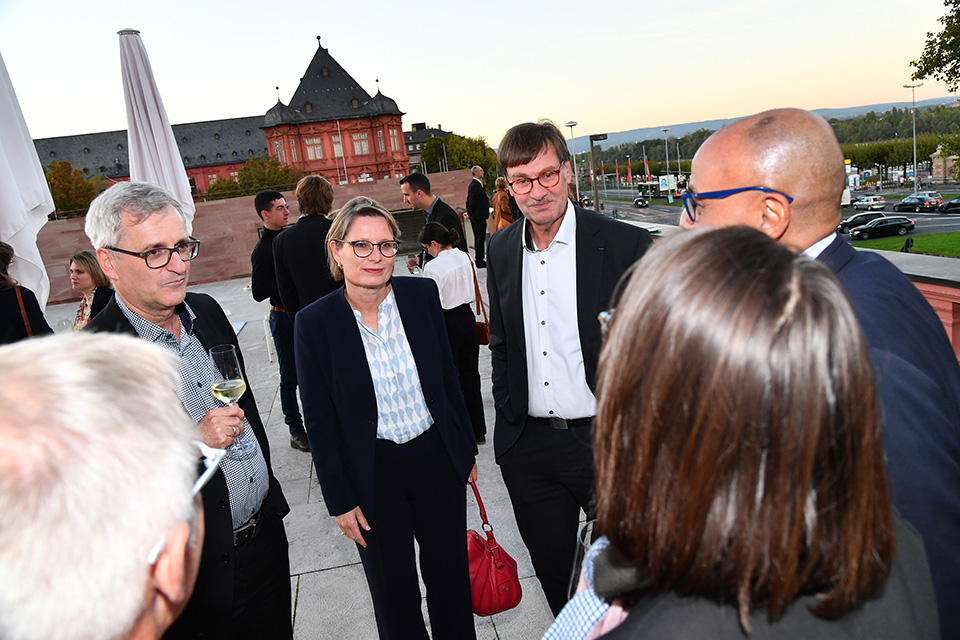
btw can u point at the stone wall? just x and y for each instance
(229, 229)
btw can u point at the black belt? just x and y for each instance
(562, 423)
(246, 531)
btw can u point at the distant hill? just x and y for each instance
(680, 130)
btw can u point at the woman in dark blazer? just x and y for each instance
(17, 303)
(88, 278)
(391, 439)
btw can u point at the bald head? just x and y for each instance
(790, 150)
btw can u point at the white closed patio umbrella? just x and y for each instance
(154, 155)
(25, 200)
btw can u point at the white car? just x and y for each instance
(871, 203)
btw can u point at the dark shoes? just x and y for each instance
(299, 441)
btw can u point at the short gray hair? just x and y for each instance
(104, 225)
(96, 467)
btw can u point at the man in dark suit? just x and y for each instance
(143, 246)
(416, 193)
(549, 277)
(478, 209)
(272, 208)
(782, 172)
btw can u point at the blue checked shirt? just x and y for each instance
(246, 473)
(586, 608)
(402, 412)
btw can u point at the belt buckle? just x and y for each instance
(558, 423)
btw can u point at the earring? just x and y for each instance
(340, 265)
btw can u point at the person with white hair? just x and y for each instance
(92, 545)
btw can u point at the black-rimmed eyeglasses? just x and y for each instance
(548, 179)
(689, 197)
(160, 257)
(363, 248)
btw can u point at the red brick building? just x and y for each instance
(334, 128)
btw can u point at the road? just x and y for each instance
(664, 214)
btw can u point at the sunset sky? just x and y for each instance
(475, 69)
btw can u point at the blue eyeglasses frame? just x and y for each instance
(690, 207)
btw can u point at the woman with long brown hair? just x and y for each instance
(92, 283)
(739, 465)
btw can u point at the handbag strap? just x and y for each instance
(483, 512)
(23, 312)
(480, 307)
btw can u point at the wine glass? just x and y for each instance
(228, 384)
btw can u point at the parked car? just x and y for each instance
(871, 203)
(950, 206)
(640, 202)
(917, 203)
(855, 199)
(885, 226)
(857, 220)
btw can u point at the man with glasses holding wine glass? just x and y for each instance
(143, 245)
(548, 279)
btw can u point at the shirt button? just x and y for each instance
(225, 557)
(550, 412)
(544, 353)
(543, 262)
(546, 384)
(542, 292)
(542, 322)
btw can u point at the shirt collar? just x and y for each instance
(154, 333)
(565, 235)
(432, 205)
(814, 250)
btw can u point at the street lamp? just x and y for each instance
(913, 93)
(595, 137)
(576, 176)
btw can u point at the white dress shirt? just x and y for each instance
(452, 270)
(556, 377)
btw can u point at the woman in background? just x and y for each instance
(88, 278)
(741, 489)
(454, 274)
(20, 314)
(502, 214)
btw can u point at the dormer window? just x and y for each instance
(354, 103)
(324, 72)
(53, 154)
(186, 160)
(308, 108)
(183, 139)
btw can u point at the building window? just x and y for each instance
(380, 140)
(234, 175)
(234, 154)
(308, 108)
(409, 147)
(218, 156)
(86, 149)
(183, 139)
(354, 103)
(216, 136)
(324, 72)
(293, 150)
(337, 147)
(203, 158)
(314, 150)
(278, 149)
(53, 154)
(248, 131)
(212, 178)
(360, 145)
(186, 160)
(394, 140)
(119, 147)
(250, 151)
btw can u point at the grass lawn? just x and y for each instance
(939, 244)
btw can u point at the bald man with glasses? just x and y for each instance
(549, 276)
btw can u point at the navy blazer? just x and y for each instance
(212, 599)
(918, 386)
(339, 401)
(606, 248)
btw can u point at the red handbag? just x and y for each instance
(494, 583)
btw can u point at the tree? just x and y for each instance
(458, 152)
(940, 59)
(72, 193)
(254, 175)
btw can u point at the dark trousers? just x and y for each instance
(261, 586)
(479, 236)
(549, 475)
(282, 330)
(465, 346)
(418, 495)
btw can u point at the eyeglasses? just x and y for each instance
(547, 179)
(691, 207)
(211, 462)
(363, 248)
(157, 259)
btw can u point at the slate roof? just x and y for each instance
(421, 133)
(327, 92)
(200, 144)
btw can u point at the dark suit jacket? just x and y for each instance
(606, 248)
(904, 609)
(101, 296)
(339, 402)
(11, 319)
(478, 207)
(918, 385)
(263, 272)
(445, 215)
(300, 256)
(212, 600)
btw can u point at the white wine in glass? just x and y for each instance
(229, 385)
